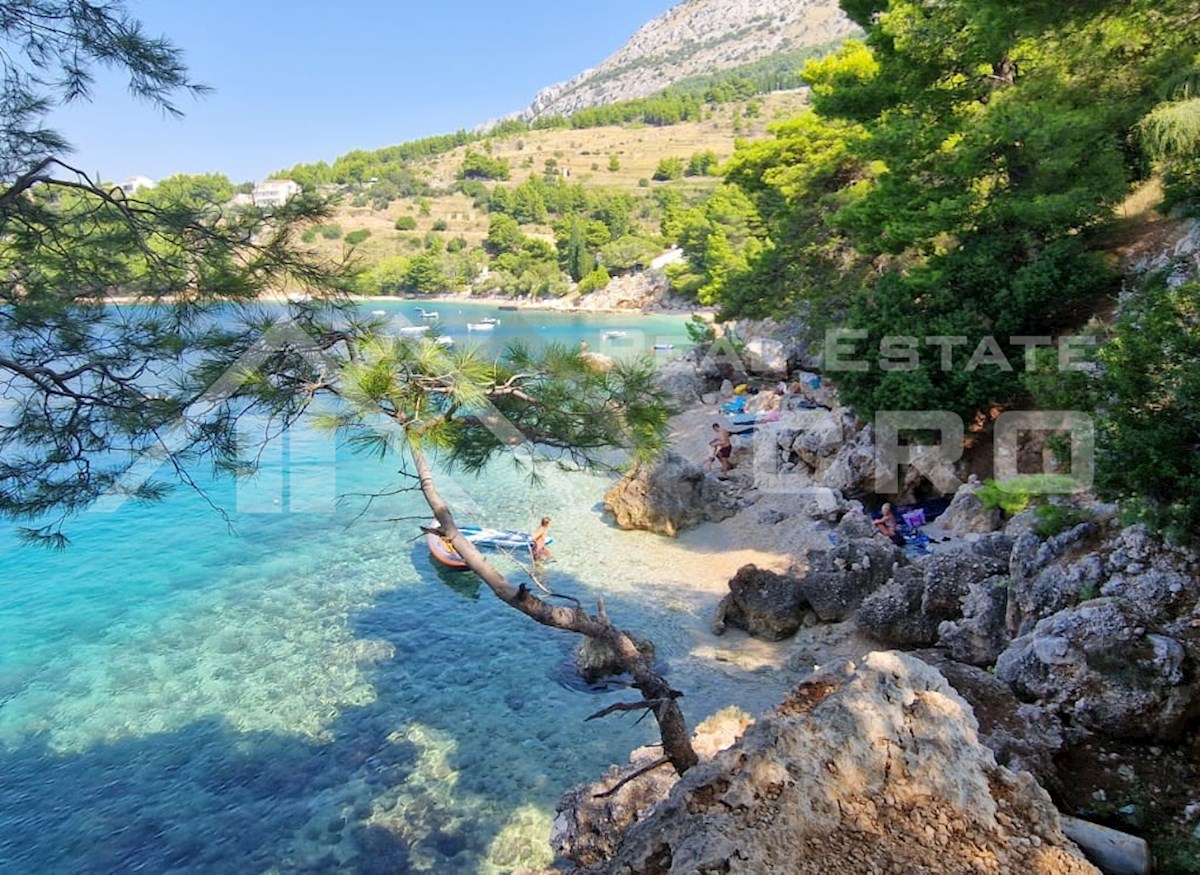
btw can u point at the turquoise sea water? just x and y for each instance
(306, 691)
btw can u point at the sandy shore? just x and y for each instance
(696, 567)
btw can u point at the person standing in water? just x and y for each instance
(538, 549)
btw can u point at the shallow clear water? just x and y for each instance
(308, 692)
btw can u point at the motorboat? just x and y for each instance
(414, 330)
(613, 334)
(444, 340)
(481, 326)
(431, 315)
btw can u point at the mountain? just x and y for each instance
(696, 38)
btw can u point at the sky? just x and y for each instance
(300, 81)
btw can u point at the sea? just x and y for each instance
(274, 676)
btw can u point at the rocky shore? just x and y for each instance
(952, 710)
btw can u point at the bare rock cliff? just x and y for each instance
(696, 38)
(868, 768)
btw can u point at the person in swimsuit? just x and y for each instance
(722, 447)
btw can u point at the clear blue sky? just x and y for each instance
(300, 82)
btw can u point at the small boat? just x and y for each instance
(414, 330)
(490, 320)
(378, 312)
(663, 346)
(480, 326)
(441, 550)
(508, 307)
(431, 315)
(444, 340)
(613, 333)
(499, 539)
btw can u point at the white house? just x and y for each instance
(133, 183)
(274, 192)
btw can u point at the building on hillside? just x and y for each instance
(274, 192)
(133, 183)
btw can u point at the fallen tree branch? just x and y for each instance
(647, 704)
(662, 761)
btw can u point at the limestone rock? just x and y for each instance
(692, 39)
(966, 513)
(1103, 670)
(1022, 736)
(681, 380)
(667, 495)
(861, 769)
(840, 578)
(980, 635)
(852, 470)
(1042, 585)
(589, 826)
(767, 605)
(909, 609)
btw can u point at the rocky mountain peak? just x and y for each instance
(695, 38)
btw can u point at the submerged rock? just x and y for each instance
(595, 660)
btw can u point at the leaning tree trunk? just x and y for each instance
(658, 696)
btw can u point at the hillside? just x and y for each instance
(581, 156)
(697, 37)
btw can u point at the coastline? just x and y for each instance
(698, 565)
(566, 304)
(595, 302)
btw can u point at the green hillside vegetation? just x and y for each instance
(959, 175)
(531, 207)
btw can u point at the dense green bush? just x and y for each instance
(406, 223)
(669, 168)
(1149, 435)
(594, 281)
(476, 165)
(356, 237)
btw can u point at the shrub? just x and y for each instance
(1016, 494)
(1053, 519)
(356, 237)
(440, 225)
(700, 330)
(406, 223)
(595, 280)
(331, 231)
(669, 168)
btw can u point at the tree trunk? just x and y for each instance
(657, 693)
